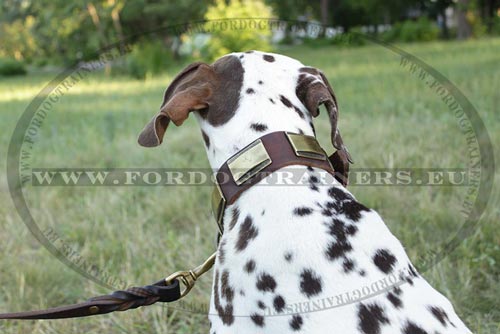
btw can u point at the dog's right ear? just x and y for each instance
(190, 90)
(314, 90)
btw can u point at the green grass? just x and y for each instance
(139, 234)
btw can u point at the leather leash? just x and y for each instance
(250, 165)
(165, 291)
(116, 301)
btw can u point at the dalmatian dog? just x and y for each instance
(295, 259)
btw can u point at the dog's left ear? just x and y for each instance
(190, 90)
(314, 90)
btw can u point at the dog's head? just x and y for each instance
(243, 96)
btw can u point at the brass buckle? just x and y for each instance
(218, 206)
(189, 277)
(306, 146)
(248, 162)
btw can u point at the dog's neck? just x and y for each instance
(223, 142)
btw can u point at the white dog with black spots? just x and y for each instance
(295, 259)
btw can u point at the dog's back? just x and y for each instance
(311, 259)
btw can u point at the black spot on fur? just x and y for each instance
(225, 312)
(272, 101)
(412, 270)
(261, 305)
(309, 168)
(302, 211)
(250, 266)
(353, 209)
(362, 273)
(341, 246)
(247, 232)
(234, 218)
(227, 291)
(268, 58)
(440, 315)
(313, 187)
(241, 56)
(397, 290)
(312, 128)
(205, 138)
(260, 82)
(370, 318)
(266, 282)
(258, 127)
(285, 101)
(249, 51)
(412, 328)
(348, 265)
(257, 320)
(406, 277)
(338, 249)
(395, 300)
(288, 256)
(338, 194)
(384, 260)
(250, 91)
(326, 213)
(299, 112)
(310, 283)
(351, 230)
(296, 322)
(279, 304)
(337, 229)
(300, 131)
(332, 205)
(221, 251)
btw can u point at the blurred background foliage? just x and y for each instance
(47, 33)
(224, 41)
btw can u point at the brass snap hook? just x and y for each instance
(188, 278)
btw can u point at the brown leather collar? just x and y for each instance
(264, 156)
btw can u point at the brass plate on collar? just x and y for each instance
(306, 146)
(249, 162)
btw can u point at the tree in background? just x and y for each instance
(68, 31)
(139, 16)
(464, 29)
(489, 14)
(236, 35)
(16, 40)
